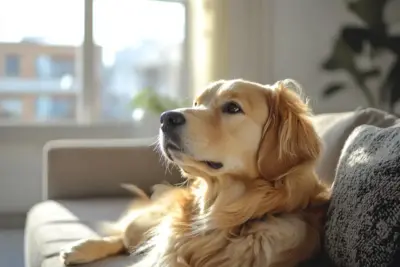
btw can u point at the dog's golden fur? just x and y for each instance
(264, 207)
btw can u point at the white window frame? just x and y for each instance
(89, 105)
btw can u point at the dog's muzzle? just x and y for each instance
(171, 124)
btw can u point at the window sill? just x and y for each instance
(40, 133)
(65, 124)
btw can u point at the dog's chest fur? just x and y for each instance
(273, 242)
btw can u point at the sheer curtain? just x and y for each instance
(230, 39)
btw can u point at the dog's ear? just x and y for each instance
(288, 136)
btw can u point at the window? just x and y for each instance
(146, 50)
(89, 68)
(43, 66)
(38, 33)
(62, 67)
(11, 65)
(55, 108)
(10, 108)
(48, 67)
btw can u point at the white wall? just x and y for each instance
(303, 34)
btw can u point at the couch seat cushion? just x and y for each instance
(53, 224)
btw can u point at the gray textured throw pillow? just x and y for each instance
(363, 223)
(335, 128)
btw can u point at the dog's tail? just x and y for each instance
(136, 191)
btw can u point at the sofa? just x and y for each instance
(82, 178)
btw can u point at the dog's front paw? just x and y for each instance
(79, 252)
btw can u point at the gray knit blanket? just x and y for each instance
(363, 223)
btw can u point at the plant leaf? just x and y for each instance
(371, 73)
(391, 86)
(393, 43)
(355, 37)
(155, 103)
(332, 89)
(369, 11)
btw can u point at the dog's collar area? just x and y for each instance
(214, 165)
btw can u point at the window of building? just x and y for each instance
(50, 67)
(12, 65)
(43, 67)
(62, 67)
(10, 108)
(55, 108)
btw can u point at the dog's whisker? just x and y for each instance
(163, 161)
(182, 184)
(156, 141)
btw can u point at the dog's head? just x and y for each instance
(242, 129)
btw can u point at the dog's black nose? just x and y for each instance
(171, 119)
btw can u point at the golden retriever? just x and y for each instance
(252, 198)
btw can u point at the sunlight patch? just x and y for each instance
(358, 157)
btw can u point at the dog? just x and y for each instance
(251, 197)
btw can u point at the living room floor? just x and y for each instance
(12, 248)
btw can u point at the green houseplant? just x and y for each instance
(350, 43)
(155, 103)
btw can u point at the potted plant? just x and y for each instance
(155, 103)
(148, 105)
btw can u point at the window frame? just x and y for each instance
(89, 100)
(88, 108)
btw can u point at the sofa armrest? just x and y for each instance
(96, 168)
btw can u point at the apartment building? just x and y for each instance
(38, 81)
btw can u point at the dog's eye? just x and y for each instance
(231, 108)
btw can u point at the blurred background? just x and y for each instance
(105, 68)
(132, 45)
(84, 61)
